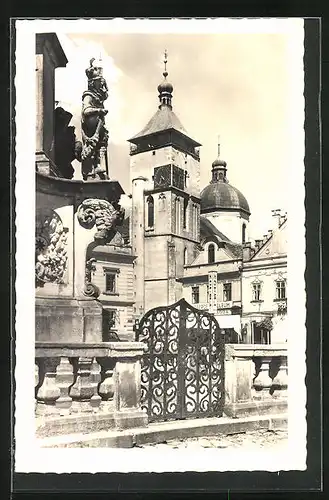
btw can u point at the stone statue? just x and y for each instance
(94, 133)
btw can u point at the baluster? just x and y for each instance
(49, 391)
(263, 380)
(84, 387)
(280, 381)
(64, 380)
(95, 375)
(36, 374)
(36, 380)
(107, 386)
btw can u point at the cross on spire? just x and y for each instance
(165, 73)
(218, 144)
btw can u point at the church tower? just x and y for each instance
(165, 230)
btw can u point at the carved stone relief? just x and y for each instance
(90, 289)
(50, 248)
(101, 213)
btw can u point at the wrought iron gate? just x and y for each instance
(183, 365)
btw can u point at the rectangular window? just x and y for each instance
(261, 336)
(110, 282)
(280, 290)
(111, 319)
(256, 289)
(227, 292)
(195, 295)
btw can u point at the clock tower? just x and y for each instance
(165, 228)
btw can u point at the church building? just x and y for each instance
(165, 220)
(187, 242)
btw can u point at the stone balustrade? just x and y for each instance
(256, 379)
(80, 379)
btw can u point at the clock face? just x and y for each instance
(178, 178)
(162, 176)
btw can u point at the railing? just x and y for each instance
(256, 379)
(90, 378)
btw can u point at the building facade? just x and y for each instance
(264, 288)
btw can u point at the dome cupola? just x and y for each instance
(220, 195)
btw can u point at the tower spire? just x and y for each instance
(165, 74)
(165, 88)
(219, 166)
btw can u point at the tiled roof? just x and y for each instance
(124, 228)
(222, 195)
(207, 228)
(163, 119)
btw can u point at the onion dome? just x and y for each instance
(220, 194)
(165, 88)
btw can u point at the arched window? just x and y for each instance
(185, 256)
(243, 233)
(177, 216)
(150, 211)
(185, 213)
(211, 254)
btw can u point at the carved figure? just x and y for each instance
(50, 249)
(94, 133)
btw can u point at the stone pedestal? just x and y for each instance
(67, 320)
(127, 379)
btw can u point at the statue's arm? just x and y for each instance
(88, 107)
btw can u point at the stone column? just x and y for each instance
(127, 380)
(137, 241)
(49, 56)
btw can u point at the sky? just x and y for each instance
(236, 86)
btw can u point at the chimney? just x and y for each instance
(270, 231)
(276, 214)
(247, 251)
(258, 244)
(283, 218)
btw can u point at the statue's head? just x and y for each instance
(96, 81)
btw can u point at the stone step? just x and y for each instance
(165, 431)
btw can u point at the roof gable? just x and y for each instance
(275, 246)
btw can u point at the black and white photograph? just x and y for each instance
(160, 215)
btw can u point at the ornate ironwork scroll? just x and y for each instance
(183, 365)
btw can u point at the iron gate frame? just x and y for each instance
(167, 355)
